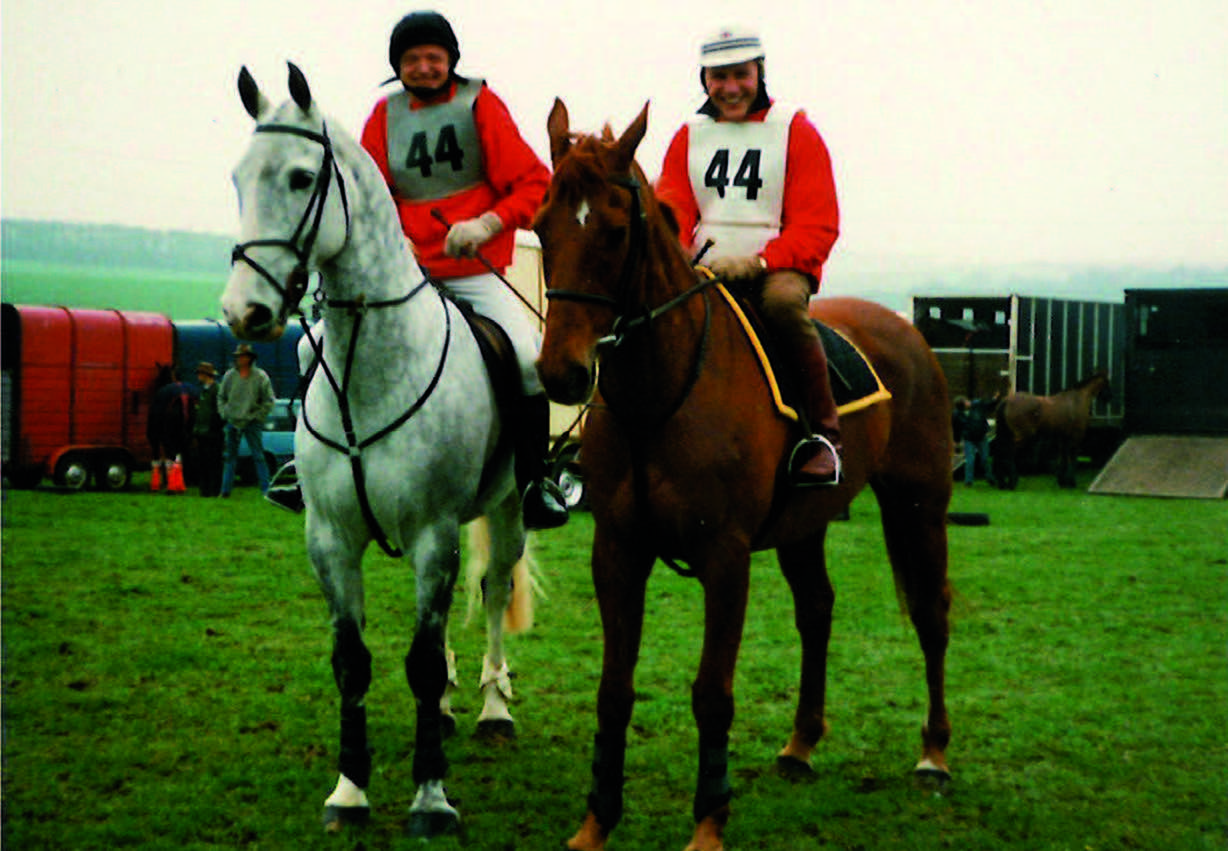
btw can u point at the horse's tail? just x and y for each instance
(518, 616)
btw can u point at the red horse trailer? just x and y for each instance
(77, 385)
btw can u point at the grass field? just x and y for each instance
(177, 295)
(166, 684)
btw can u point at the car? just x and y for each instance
(278, 440)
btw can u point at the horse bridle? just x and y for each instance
(628, 316)
(303, 240)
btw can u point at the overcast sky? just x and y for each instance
(995, 131)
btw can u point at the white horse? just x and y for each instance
(399, 441)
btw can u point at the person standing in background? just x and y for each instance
(245, 399)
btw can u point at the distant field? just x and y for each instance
(177, 295)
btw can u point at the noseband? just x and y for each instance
(303, 240)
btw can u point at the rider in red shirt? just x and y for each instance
(749, 183)
(449, 150)
(463, 180)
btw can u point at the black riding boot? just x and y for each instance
(540, 498)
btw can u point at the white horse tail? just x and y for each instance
(526, 585)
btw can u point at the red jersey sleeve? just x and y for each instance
(375, 138)
(518, 177)
(673, 187)
(810, 216)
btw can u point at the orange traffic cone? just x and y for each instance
(155, 477)
(174, 479)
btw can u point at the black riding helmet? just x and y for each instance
(422, 28)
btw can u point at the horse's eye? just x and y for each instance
(301, 180)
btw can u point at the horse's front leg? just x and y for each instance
(620, 578)
(339, 573)
(437, 561)
(725, 575)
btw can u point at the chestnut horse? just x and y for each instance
(683, 457)
(1062, 419)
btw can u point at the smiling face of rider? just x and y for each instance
(733, 88)
(425, 68)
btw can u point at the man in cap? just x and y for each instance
(750, 180)
(245, 399)
(464, 180)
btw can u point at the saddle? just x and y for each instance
(854, 383)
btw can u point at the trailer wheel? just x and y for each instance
(71, 472)
(112, 474)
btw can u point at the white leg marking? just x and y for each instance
(497, 690)
(347, 795)
(431, 798)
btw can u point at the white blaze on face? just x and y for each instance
(582, 213)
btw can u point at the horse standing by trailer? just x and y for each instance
(400, 439)
(1061, 419)
(684, 454)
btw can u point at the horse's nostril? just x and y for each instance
(258, 317)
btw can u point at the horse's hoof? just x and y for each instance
(336, 819)
(427, 824)
(932, 777)
(792, 768)
(496, 730)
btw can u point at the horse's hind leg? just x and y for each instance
(436, 558)
(507, 547)
(914, 525)
(804, 566)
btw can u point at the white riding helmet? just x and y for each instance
(729, 46)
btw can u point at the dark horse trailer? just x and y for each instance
(210, 340)
(77, 385)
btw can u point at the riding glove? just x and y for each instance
(735, 269)
(465, 238)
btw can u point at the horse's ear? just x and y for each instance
(299, 90)
(631, 138)
(253, 101)
(558, 128)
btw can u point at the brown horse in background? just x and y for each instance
(683, 454)
(1023, 417)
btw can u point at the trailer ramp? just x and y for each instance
(1167, 465)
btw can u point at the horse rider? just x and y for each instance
(753, 176)
(451, 152)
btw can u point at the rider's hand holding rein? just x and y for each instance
(465, 238)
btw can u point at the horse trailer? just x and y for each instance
(78, 383)
(77, 386)
(991, 345)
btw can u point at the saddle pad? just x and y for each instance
(854, 383)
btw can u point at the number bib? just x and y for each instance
(434, 152)
(737, 172)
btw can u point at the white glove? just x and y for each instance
(465, 238)
(735, 269)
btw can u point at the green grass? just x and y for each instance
(177, 295)
(167, 685)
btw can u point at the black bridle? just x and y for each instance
(303, 240)
(628, 315)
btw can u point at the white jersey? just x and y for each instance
(737, 172)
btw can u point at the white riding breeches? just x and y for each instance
(492, 298)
